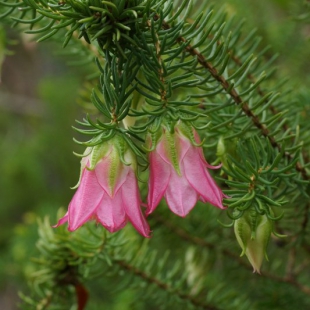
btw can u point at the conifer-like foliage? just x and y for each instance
(158, 62)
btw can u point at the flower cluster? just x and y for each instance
(108, 189)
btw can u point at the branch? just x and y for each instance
(164, 286)
(237, 99)
(200, 242)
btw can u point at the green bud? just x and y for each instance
(225, 147)
(253, 232)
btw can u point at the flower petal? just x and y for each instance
(200, 179)
(110, 212)
(198, 141)
(111, 173)
(63, 220)
(180, 195)
(85, 200)
(255, 255)
(131, 202)
(180, 145)
(158, 180)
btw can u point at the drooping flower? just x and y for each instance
(253, 233)
(178, 171)
(108, 190)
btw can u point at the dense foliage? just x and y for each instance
(134, 67)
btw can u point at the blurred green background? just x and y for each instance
(38, 106)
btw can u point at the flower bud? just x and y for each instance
(225, 147)
(253, 233)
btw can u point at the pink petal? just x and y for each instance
(199, 149)
(164, 149)
(180, 195)
(85, 200)
(62, 221)
(200, 179)
(111, 174)
(210, 166)
(158, 180)
(203, 160)
(131, 202)
(110, 212)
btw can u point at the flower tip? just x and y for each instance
(71, 229)
(183, 214)
(218, 204)
(215, 167)
(61, 221)
(147, 233)
(113, 229)
(149, 210)
(222, 207)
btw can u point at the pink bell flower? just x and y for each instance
(108, 190)
(178, 172)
